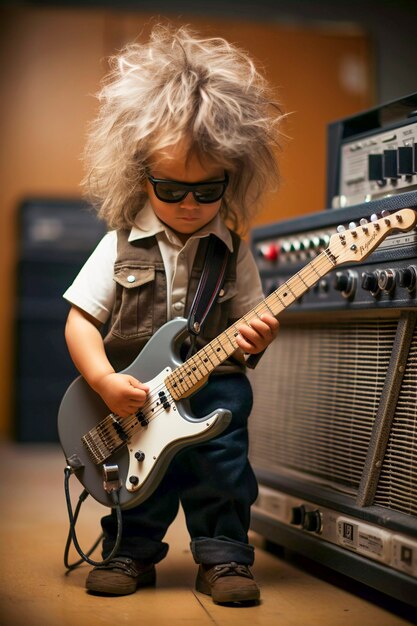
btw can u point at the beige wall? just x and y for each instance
(52, 62)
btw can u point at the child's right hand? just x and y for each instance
(122, 393)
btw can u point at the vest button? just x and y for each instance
(177, 306)
(131, 278)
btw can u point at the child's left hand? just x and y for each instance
(256, 337)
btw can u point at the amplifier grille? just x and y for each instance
(317, 391)
(397, 486)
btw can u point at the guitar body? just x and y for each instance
(168, 425)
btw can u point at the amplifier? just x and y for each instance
(373, 154)
(334, 424)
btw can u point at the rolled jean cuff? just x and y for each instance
(221, 550)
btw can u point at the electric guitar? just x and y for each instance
(134, 452)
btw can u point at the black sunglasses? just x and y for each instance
(172, 191)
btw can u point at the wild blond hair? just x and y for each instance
(179, 85)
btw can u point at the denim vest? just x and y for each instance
(140, 306)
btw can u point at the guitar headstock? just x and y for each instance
(358, 242)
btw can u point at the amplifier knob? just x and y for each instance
(297, 515)
(370, 282)
(341, 281)
(386, 280)
(345, 282)
(312, 521)
(271, 252)
(323, 285)
(407, 278)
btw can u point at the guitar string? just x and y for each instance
(260, 307)
(105, 428)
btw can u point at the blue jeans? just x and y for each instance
(214, 483)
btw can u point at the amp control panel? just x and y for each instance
(386, 278)
(375, 166)
(384, 545)
(373, 154)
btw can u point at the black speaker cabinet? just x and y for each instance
(334, 424)
(55, 238)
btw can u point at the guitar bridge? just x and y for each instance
(105, 438)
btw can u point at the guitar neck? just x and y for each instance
(182, 381)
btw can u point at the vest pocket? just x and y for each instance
(228, 291)
(132, 316)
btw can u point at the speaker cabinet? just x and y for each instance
(334, 425)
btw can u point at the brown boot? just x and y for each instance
(120, 576)
(227, 582)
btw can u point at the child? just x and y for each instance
(182, 145)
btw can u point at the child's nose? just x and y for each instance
(189, 201)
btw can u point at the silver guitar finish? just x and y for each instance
(171, 430)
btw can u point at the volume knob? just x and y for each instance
(407, 278)
(370, 282)
(386, 280)
(312, 521)
(345, 282)
(271, 252)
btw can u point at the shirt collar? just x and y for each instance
(147, 224)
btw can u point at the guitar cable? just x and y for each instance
(73, 516)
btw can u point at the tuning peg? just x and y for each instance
(398, 217)
(340, 228)
(386, 215)
(374, 219)
(364, 223)
(352, 226)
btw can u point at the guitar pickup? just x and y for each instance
(119, 429)
(164, 400)
(143, 421)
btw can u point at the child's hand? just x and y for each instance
(256, 337)
(122, 393)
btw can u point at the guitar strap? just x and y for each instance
(209, 286)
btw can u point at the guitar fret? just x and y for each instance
(181, 379)
(302, 280)
(226, 334)
(192, 370)
(269, 309)
(218, 341)
(213, 354)
(288, 287)
(314, 269)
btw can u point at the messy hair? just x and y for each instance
(181, 86)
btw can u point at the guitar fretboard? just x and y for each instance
(184, 378)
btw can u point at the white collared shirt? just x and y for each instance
(94, 289)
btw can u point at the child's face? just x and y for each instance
(187, 216)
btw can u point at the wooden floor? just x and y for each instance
(35, 591)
